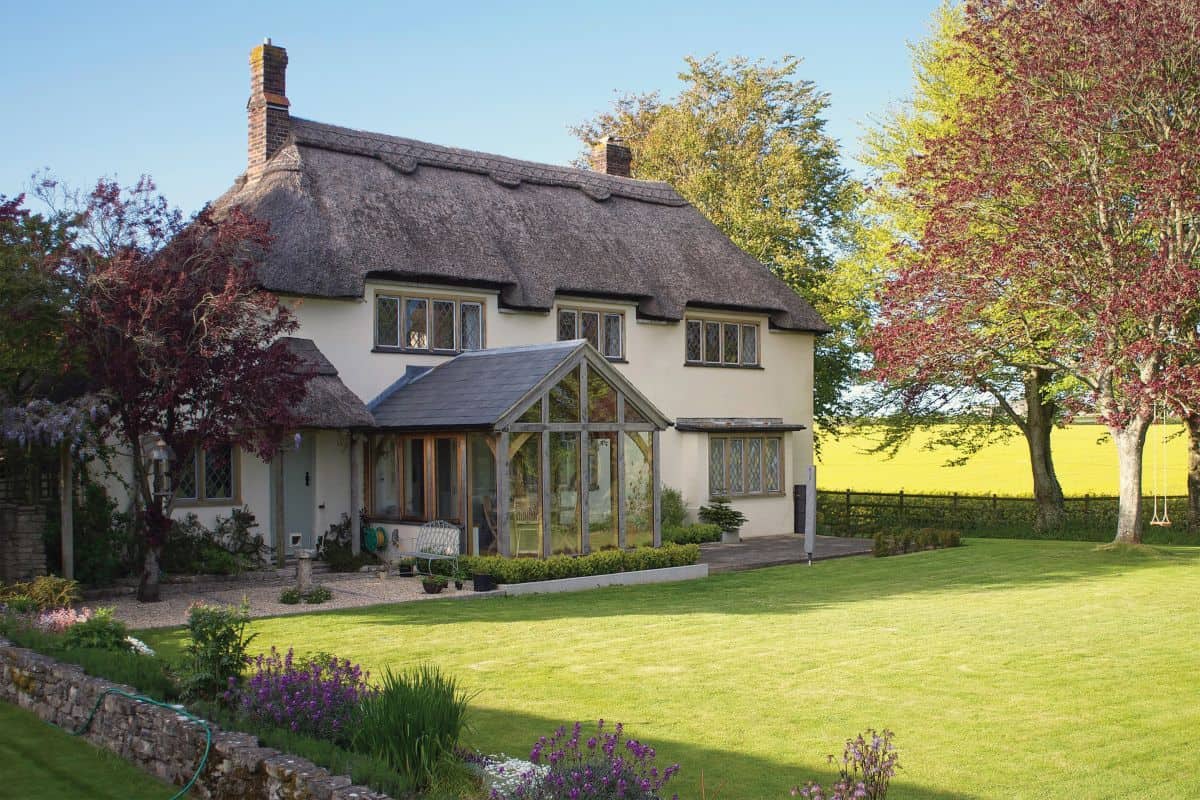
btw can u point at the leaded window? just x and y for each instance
(712, 342)
(589, 324)
(753, 466)
(750, 345)
(470, 322)
(443, 325)
(731, 352)
(416, 323)
(387, 321)
(612, 335)
(773, 464)
(709, 342)
(604, 330)
(568, 321)
(745, 465)
(694, 349)
(424, 323)
(716, 467)
(209, 476)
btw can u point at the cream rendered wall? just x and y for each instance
(343, 330)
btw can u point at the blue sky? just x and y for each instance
(129, 88)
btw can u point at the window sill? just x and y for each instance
(723, 366)
(192, 503)
(733, 498)
(419, 352)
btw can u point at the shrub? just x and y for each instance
(697, 533)
(605, 562)
(46, 592)
(868, 764)
(105, 544)
(317, 595)
(229, 549)
(19, 604)
(290, 596)
(600, 766)
(335, 549)
(672, 508)
(413, 722)
(317, 697)
(723, 515)
(892, 543)
(216, 650)
(99, 631)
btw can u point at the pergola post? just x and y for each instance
(622, 498)
(66, 506)
(277, 507)
(656, 472)
(356, 494)
(503, 541)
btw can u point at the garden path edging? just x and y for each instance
(634, 578)
(162, 742)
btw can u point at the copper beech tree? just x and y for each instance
(1061, 215)
(185, 347)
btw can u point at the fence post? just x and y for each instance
(901, 515)
(994, 514)
(849, 522)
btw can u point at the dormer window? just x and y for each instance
(604, 330)
(427, 324)
(720, 343)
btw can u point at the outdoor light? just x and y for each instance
(296, 440)
(160, 458)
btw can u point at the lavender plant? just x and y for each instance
(317, 696)
(604, 766)
(868, 764)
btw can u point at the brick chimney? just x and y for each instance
(611, 156)
(267, 107)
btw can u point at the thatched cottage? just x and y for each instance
(528, 351)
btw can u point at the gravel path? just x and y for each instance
(349, 591)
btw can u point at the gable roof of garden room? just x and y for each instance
(490, 389)
(346, 206)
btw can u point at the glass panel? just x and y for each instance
(470, 322)
(185, 484)
(566, 325)
(590, 328)
(750, 344)
(602, 399)
(532, 414)
(774, 462)
(443, 324)
(218, 473)
(632, 414)
(387, 321)
(716, 467)
(603, 491)
(695, 342)
(564, 398)
(754, 466)
(525, 494)
(385, 482)
(639, 489)
(612, 335)
(446, 485)
(712, 342)
(416, 324)
(735, 466)
(414, 478)
(731, 352)
(481, 470)
(565, 524)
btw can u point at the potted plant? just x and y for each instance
(483, 582)
(460, 575)
(404, 567)
(433, 584)
(725, 517)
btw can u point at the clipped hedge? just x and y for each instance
(697, 533)
(910, 541)
(605, 562)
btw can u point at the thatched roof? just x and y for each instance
(346, 205)
(327, 403)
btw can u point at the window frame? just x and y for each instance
(402, 300)
(602, 315)
(723, 327)
(428, 486)
(763, 482)
(201, 497)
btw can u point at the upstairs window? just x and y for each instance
(604, 330)
(720, 343)
(428, 324)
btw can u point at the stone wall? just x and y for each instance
(162, 742)
(22, 551)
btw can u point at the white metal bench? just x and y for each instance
(436, 541)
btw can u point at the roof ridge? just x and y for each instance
(406, 155)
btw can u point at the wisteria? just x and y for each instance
(317, 696)
(44, 423)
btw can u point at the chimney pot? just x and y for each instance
(612, 156)
(267, 109)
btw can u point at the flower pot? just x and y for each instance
(730, 537)
(432, 587)
(458, 585)
(404, 570)
(483, 583)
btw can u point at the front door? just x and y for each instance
(299, 486)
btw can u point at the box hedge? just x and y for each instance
(605, 562)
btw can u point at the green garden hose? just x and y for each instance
(177, 709)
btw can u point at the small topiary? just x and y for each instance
(317, 595)
(723, 515)
(290, 596)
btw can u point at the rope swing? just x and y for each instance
(1161, 518)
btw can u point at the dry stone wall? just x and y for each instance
(162, 742)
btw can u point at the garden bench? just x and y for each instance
(436, 541)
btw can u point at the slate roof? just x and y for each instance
(327, 403)
(347, 205)
(472, 390)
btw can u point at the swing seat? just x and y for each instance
(1161, 523)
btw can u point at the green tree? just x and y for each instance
(931, 378)
(745, 143)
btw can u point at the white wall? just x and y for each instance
(343, 330)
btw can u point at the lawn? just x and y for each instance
(1007, 669)
(1084, 458)
(40, 761)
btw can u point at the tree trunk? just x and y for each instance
(1039, 422)
(1193, 470)
(148, 586)
(1130, 442)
